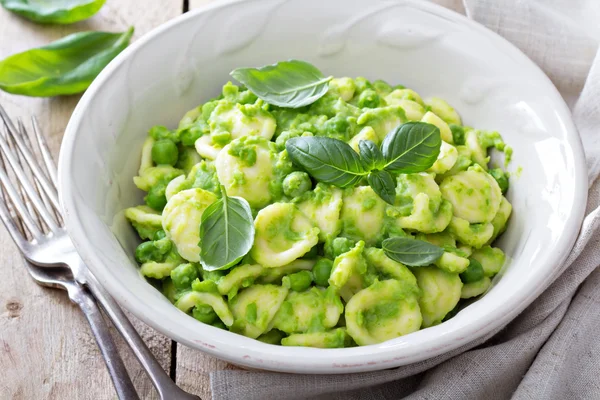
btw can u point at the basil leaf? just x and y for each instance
(383, 184)
(326, 159)
(413, 252)
(66, 66)
(411, 147)
(54, 11)
(226, 232)
(290, 84)
(371, 155)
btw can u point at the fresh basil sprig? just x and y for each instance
(382, 183)
(54, 12)
(289, 84)
(226, 232)
(371, 155)
(409, 148)
(327, 160)
(412, 252)
(66, 66)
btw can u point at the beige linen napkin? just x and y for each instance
(551, 350)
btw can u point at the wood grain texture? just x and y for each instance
(46, 348)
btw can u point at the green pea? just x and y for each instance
(190, 134)
(165, 151)
(322, 271)
(160, 234)
(473, 273)
(339, 245)
(146, 252)
(296, 184)
(159, 132)
(382, 86)
(458, 134)
(156, 197)
(501, 177)
(183, 275)
(298, 282)
(362, 84)
(369, 99)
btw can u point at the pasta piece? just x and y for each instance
(145, 220)
(274, 275)
(478, 152)
(323, 206)
(216, 302)
(445, 131)
(146, 161)
(347, 272)
(383, 119)
(404, 94)
(313, 310)
(388, 268)
(175, 186)
(363, 213)
(238, 277)
(253, 308)
(383, 311)
(153, 175)
(500, 219)
(446, 160)
(474, 194)
(452, 262)
(205, 147)
(413, 109)
(475, 288)
(342, 87)
(181, 220)
(230, 121)
(283, 234)
(419, 205)
(366, 133)
(491, 258)
(325, 340)
(245, 169)
(441, 292)
(444, 110)
(474, 235)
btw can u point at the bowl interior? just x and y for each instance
(429, 49)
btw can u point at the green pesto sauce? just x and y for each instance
(306, 314)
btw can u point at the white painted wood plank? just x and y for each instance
(46, 348)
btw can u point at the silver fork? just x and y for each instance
(47, 243)
(62, 278)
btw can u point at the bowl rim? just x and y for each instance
(254, 354)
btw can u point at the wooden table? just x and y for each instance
(46, 348)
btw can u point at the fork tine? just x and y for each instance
(49, 164)
(27, 186)
(45, 151)
(15, 233)
(20, 209)
(48, 187)
(32, 212)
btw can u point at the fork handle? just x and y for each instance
(167, 389)
(118, 373)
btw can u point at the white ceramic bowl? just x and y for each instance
(423, 46)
